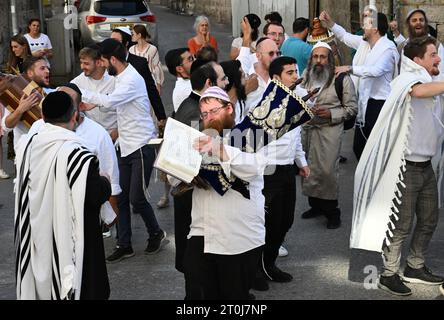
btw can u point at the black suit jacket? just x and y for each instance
(189, 111)
(141, 65)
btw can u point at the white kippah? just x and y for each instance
(321, 44)
(216, 92)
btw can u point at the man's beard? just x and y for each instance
(41, 83)
(112, 71)
(219, 125)
(318, 75)
(413, 33)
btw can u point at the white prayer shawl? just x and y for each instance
(49, 235)
(376, 195)
(369, 56)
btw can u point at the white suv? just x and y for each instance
(98, 17)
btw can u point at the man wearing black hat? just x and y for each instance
(139, 63)
(136, 128)
(59, 243)
(97, 140)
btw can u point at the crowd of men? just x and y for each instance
(89, 160)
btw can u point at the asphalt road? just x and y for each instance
(319, 259)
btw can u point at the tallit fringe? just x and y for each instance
(397, 199)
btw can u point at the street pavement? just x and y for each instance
(319, 259)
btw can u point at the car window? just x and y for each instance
(120, 8)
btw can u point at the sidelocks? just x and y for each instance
(12, 88)
(319, 33)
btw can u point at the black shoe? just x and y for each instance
(260, 283)
(333, 222)
(309, 214)
(334, 219)
(342, 159)
(120, 254)
(394, 285)
(422, 275)
(277, 275)
(155, 242)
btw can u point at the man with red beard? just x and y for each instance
(227, 228)
(226, 233)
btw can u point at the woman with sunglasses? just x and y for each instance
(18, 52)
(39, 43)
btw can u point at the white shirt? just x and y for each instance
(42, 42)
(232, 224)
(247, 59)
(98, 141)
(20, 129)
(255, 96)
(425, 129)
(181, 91)
(107, 118)
(134, 122)
(399, 39)
(287, 149)
(378, 69)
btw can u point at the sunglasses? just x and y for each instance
(273, 53)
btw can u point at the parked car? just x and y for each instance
(98, 17)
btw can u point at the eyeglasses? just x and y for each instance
(275, 34)
(273, 53)
(189, 59)
(213, 111)
(224, 78)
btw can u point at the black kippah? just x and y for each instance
(197, 64)
(74, 87)
(56, 104)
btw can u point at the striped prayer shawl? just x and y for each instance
(48, 232)
(380, 170)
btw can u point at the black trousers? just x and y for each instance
(182, 222)
(361, 134)
(280, 199)
(323, 206)
(216, 277)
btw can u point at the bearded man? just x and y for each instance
(394, 180)
(59, 246)
(418, 26)
(321, 137)
(227, 227)
(135, 156)
(374, 66)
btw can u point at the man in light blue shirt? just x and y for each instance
(296, 47)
